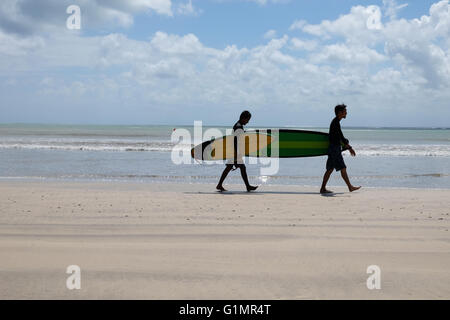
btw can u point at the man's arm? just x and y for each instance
(341, 136)
(346, 142)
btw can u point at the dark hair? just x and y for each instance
(339, 108)
(245, 115)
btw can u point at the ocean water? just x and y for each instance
(386, 157)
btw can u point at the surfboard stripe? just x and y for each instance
(303, 144)
(257, 142)
(224, 147)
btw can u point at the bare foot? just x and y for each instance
(325, 191)
(220, 188)
(352, 188)
(251, 188)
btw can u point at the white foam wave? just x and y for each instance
(121, 145)
(87, 145)
(403, 150)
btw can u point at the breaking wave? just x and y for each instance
(122, 145)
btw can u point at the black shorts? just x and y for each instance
(335, 159)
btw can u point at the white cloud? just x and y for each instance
(420, 46)
(342, 53)
(391, 8)
(163, 7)
(299, 44)
(270, 34)
(298, 24)
(173, 44)
(401, 66)
(429, 61)
(11, 45)
(353, 27)
(188, 9)
(26, 17)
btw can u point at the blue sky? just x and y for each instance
(173, 62)
(244, 23)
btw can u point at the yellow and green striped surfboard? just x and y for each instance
(275, 143)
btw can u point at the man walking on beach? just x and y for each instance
(335, 159)
(238, 129)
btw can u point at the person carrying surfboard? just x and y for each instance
(335, 159)
(237, 162)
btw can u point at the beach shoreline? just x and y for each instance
(136, 240)
(154, 185)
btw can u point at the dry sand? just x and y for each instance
(181, 241)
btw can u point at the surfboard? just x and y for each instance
(271, 143)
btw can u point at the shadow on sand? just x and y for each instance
(266, 192)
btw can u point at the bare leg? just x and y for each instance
(222, 178)
(326, 177)
(245, 178)
(347, 181)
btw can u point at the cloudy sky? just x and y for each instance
(175, 61)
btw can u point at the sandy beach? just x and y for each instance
(185, 241)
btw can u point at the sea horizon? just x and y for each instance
(218, 125)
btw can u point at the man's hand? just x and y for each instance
(352, 152)
(349, 147)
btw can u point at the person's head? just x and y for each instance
(245, 117)
(341, 111)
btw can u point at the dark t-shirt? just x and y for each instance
(237, 126)
(336, 136)
(238, 129)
